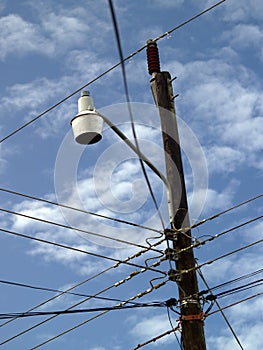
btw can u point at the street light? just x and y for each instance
(87, 128)
(87, 124)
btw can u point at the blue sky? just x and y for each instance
(50, 49)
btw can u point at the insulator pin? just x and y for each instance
(152, 57)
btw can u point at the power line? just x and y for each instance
(78, 250)
(106, 72)
(242, 288)
(78, 311)
(221, 311)
(77, 209)
(132, 275)
(74, 228)
(139, 295)
(215, 216)
(209, 262)
(246, 276)
(211, 238)
(117, 35)
(52, 290)
(83, 282)
(156, 338)
(236, 303)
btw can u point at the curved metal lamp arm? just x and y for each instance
(145, 159)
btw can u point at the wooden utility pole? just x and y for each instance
(191, 313)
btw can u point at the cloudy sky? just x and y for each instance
(48, 50)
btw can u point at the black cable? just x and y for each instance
(76, 311)
(237, 302)
(79, 250)
(242, 288)
(219, 309)
(86, 321)
(221, 256)
(174, 331)
(215, 216)
(75, 229)
(106, 72)
(77, 209)
(212, 237)
(117, 35)
(29, 286)
(251, 274)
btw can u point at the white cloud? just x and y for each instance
(55, 33)
(20, 37)
(223, 159)
(244, 35)
(148, 328)
(167, 3)
(243, 10)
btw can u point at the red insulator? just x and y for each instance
(153, 57)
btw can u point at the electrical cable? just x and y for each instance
(155, 338)
(238, 279)
(125, 83)
(85, 300)
(172, 326)
(106, 72)
(238, 289)
(78, 210)
(211, 238)
(76, 311)
(221, 310)
(209, 262)
(74, 228)
(52, 290)
(236, 303)
(79, 250)
(82, 282)
(215, 216)
(139, 295)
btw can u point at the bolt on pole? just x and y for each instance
(191, 312)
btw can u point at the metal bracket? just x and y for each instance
(174, 275)
(171, 235)
(171, 254)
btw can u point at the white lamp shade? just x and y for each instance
(87, 127)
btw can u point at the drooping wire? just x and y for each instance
(53, 290)
(78, 210)
(237, 302)
(220, 309)
(77, 311)
(172, 326)
(139, 295)
(79, 250)
(106, 72)
(73, 228)
(132, 275)
(117, 35)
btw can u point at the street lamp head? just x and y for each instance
(87, 125)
